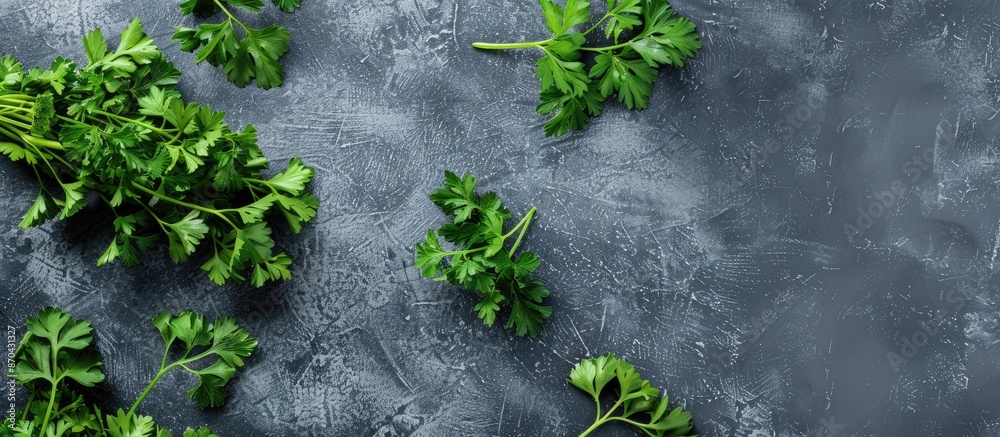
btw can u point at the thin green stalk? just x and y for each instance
(132, 121)
(185, 204)
(166, 232)
(263, 183)
(17, 98)
(602, 420)
(48, 164)
(19, 108)
(15, 122)
(24, 414)
(591, 429)
(523, 224)
(149, 388)
(512, 45)
(31, 140)
(52, 401)
(52, 395)
(606, 48)
(12, 135)
(598, 23)
(641, 426)
(463, 252)
(164, 369)
(231, 16)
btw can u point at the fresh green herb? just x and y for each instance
(640, 404)
(243, 60)
(644, 35)
(167, 169)
(482, 262)
(57, 356)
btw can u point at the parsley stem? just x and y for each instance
(15, 122)
(24, 414)
(48, 164)
(52, 401)
(215, 212)
(587, 431)
(231, 16)
(641, 426)
(602, 420)
(149, 388)
(512, 45)
(20, 115)
(523, 224)
(55, 383)
(165, 232)
(598, 23)
(129, 120)
(606, 48)
(20, 108)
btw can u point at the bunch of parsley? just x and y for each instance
(500, 276)
(168, 170)
(56, 357)
(640, 404)
(243, 60)
(644, 35)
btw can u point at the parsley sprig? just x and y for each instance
(645, 34)
(640, 404)
(167, 170)
(57, 356)
(243, 60)
(481, 262)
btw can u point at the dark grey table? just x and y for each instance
(703, 239)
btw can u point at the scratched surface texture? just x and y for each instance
(798, 237)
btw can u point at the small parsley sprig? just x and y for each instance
(167, 169)
(500, 276)
(243, 60)
(645, 34)
(57, 356)
(640, 404)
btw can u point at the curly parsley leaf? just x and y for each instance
(638, 403)
(645, 35)
(481, 262)
(252, 57)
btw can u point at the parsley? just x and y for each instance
(636, 398)
(57, 356)
(168, 170)
(482, 262)
(645, 34)
(243, 60)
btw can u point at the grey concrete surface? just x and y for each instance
(703, 239)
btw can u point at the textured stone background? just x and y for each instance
(703, 238)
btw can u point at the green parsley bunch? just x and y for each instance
(644, 35)
(500, 276)
(243, 60)
(640, 404)
(57, 356)
(167, 170)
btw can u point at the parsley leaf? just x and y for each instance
(573, 93)
(501, 277)
(170, 171)
(57, 355)
(201, 340)
(254, 57)
(640, 404)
